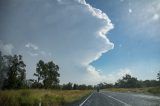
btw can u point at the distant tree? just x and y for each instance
(75, 86)
(3, 70)
(89, 87)
(67, 86)
(71, 86)
(82, 87)
(16, 74)
(105, 85)
(47, 73)
(127, 82)
(158, 76)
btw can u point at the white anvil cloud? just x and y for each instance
(71, 30)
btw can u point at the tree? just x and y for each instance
(105, 85)
(3, 69)
(39, 70)
(75, 86)
(47, 73)
(52, 74)
(67, 86)
(82, 87)
(16, 74)
(128, 82)
(158, 76)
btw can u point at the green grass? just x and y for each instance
(153, 90)
(34, 97)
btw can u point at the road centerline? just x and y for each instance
(85, 100)
(117, 100)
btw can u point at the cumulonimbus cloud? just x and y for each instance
(72, 30)
(94, 75)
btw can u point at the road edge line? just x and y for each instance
(85, 100)
(117, 100)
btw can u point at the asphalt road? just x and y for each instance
(119, 99)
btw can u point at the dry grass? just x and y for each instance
(137, 90)
(155, 90)
(34, 97)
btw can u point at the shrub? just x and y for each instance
(155, 90)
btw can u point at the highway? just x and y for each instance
(107, 98)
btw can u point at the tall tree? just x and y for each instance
(2, 70)
(16, 73)
(47, 73)
(158, 77)
(39, 70)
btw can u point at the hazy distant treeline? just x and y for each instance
(128, 81)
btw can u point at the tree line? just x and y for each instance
(13, 73)
(127, 81)
(13, 76)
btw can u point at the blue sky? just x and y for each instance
(136, 40)
(92, 41)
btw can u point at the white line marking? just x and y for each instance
(85, 100)
(117, 100)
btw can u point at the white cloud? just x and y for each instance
(155, 16)
(36, 51)
(121, 0)
(94, 75)
(130, 10)
(71, 32)
(6, 49)
(32, 46)
(112, 77)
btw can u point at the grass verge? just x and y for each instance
(36, 97)
(153, 90)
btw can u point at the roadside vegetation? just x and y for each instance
(153, 90)
(44, 89)
(43, 97)
(136, 90)
(131, 84)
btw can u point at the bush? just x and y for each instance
(8, 100)
(25, 99)
(49, 100)
(155, 90)
(60, 100)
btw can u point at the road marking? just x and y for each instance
(117, 100)
(85, 100)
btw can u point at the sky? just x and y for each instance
(92, 41)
